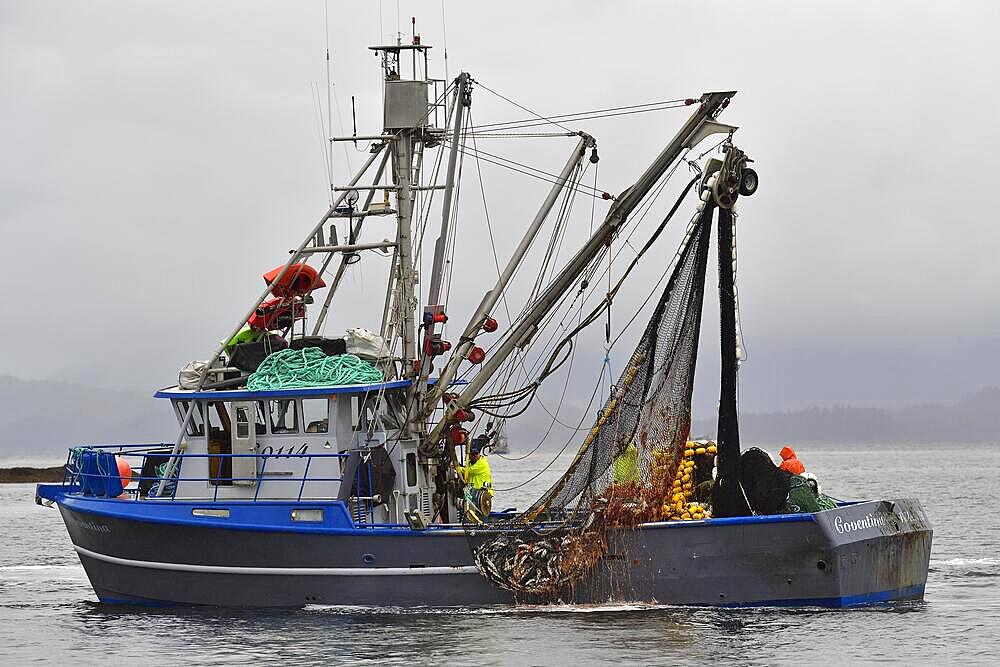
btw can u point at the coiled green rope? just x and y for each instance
(310, 367)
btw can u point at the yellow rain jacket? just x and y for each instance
(477, 475)
(627, 466)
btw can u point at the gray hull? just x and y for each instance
(856, 554)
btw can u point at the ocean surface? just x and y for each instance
(49, 614)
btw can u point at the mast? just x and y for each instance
(406, 124)
(462, 98)
(402, 158)
(697, 127)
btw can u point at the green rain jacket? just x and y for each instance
(627, 466)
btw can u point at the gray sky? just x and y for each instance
(158, 158)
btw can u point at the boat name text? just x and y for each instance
(870, 520)
(94, 527)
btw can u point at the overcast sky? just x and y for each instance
(157, 158)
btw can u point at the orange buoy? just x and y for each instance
(124, 470)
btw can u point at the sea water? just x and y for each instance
(48, 613)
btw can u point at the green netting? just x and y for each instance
(310, 367)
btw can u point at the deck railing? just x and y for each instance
(94, 471)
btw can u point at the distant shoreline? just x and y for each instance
(26, 475)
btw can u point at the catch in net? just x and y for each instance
(623, 473)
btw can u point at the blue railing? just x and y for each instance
(93, 470)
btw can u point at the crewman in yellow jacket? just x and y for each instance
(477, 473)
(478, 480)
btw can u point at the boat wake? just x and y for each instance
(77, 568)
(612, 608)
(966, 567)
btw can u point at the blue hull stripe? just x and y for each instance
(902, 594)
(907, 593)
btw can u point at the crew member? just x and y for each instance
(478, 491)
(790, 462)
(477, 473)
(627, 466)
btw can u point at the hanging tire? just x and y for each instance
(748, 182)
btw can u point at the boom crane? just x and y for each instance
(700, 125)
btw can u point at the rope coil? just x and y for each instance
(311, 367)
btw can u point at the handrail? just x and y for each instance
(144, 488)
(73, 475)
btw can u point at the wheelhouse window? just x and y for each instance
(378, 411)
(196, 426)
(218, 419)
(284, 416)
(316, 415)
(261, 418)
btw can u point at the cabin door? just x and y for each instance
(244, 442)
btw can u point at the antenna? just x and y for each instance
(354, 120)
(329, 111)
(444, 34)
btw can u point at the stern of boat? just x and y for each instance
(879, 550)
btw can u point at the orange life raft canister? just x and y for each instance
(299, 280)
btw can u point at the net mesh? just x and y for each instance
(624, 470)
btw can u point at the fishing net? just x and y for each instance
(625, 469)
(728, 498)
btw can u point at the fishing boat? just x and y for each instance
(324, 470)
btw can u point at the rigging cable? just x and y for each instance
(569, 116)
(523, 108)
(588, 273)
(520, 168)
(526, 125)
(570, 439)
(450, 250)
(555, 420)
(554, 361)
(314, 89)
(329, 112)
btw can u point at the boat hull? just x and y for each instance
(856, 554)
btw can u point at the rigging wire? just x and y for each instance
(479, 154)
(486, 213)
(329, 87)
(543, 325)
(510, 399)
(328, 175)
(593, 117)
(525, 135)
(450, 250)
(525, 169)
(555, 420)
(523, 108)
(588, 274)
(569, 116)
(511, 367)
(570, 439)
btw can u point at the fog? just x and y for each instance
(158, 158)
